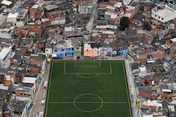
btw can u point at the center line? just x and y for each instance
(88, 102)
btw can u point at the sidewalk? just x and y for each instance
(39, 96)
(132, 88)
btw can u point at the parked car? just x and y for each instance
(5, 12)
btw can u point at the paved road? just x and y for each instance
(3, 17)
(39, 96)
(132, 88)
(89, 26)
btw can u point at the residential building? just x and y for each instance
(5, 52)
(78, 2)
(63, 49)
(19, 17)
(91, 49)
(162, 16)
(85, 8)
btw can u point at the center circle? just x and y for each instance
(88, 102)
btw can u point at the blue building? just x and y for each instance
(63, 49)
(70, 52)
(123, 52)
(155, 1)
(122, 49)
(114, 49)
(59, 52)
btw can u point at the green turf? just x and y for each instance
(88, 89)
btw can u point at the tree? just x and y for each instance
(34, 39)
(98, 1)
(146, 25)
(141, 10)
(124, 23)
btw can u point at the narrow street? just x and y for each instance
(89, 26)
(39, 96)
(131, 87)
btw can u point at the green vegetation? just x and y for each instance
(146, 25)
(124, 23)
(88, 89)
(99, 18)
(141, 10)
(34, 39)
(99, 1)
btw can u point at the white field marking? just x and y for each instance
(99, 65)
(64, 66)
(110, 68)
(49, 88)
(88, 102)
(129, 104)
(88, 111)
(87, 73)
(87, 77)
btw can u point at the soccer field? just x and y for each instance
(88, 89)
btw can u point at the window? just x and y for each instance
(55, 50)
(68, 53)
(84, 10)
(62, 49)
(162, 18)
(77, 48)
(155, 15)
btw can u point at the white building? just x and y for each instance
(162, 15)
(142, 71)
(6, 3)
(85, 8)
(5, 54)
(7, 32)
(18, 18)
(126, 2)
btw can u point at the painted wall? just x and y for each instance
(155, 1)
(23, 98)
(61, 52)
(64, 52)
(77, 51)
(70, 52)
(106, 51)
(123, 52)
